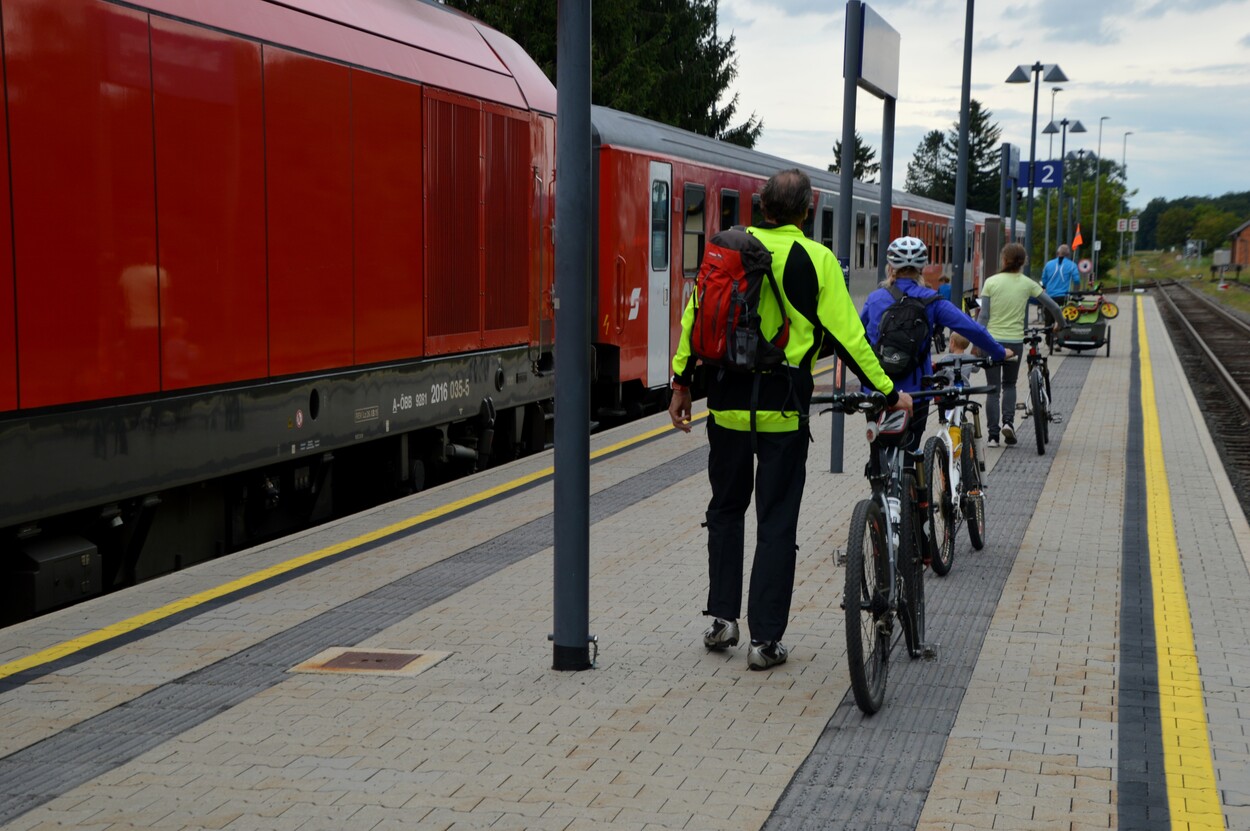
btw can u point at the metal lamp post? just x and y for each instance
(1097, 183)
(1062, 129)
(1074, 221)
(1051, 74)
(1124, 179)
(1050, 154)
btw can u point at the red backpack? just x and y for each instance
(727, 296)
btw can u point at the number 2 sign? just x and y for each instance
(1045, 174)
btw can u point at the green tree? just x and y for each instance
(927, 174)
(984, 154)
(1174, 226)
(1212, 226)
(865, 166)
(660, 59)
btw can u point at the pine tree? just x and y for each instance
(927, 173)
(865, 166)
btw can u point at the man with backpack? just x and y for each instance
(1059, 277)
(758, 350)
(901, 317)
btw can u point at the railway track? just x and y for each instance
(1205, 333)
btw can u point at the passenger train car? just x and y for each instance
(663, 191)
(258, 259)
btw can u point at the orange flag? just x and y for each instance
(1076, 240)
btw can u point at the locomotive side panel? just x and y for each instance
(453, 222)
(208, 108)
(624, 237)
(508, 190)
(79, 94)
(389, 314)
(308, 175)
(8, 310)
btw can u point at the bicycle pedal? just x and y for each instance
(929, 651)
(839, 556)
(1056, 418)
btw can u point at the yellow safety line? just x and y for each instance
(1193, 797)
(69, 647)
(130, 624)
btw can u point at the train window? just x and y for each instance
(659, 225)
(939, 250)
(904, 226)
(875, 238)
(861, 239)
(757, 212)
(696, 227)
(826, 228)
(809, 224)
(729, 215)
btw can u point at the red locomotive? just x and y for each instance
(266, 246)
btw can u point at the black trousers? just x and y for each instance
(777, 481)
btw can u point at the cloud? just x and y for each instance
(1245, 41)
(1161, 8)
(1072, 21)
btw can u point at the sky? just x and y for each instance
(1174, 74)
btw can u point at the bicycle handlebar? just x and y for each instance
(869, 403)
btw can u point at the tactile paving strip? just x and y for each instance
(875, 773)
(43, 771)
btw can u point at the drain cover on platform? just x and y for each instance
(371, 661)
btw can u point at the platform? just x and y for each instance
(1092, 670)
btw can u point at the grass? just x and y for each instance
(1163, 265)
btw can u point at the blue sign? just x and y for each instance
(1045, 174)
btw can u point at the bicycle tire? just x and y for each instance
(973, 502)
(942, 517)
(864, 599)
(910, 566)
(1049, 398)
(1039, 411)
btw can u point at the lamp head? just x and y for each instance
(1053, 74)
(1050, 129)
(1078, 127)
(1020, 75)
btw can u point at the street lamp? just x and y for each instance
(1053, 75)
(1050, 154)
(1097, 182)
(1062, 128)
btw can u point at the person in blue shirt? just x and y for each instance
(905, 258)
(1059, 277)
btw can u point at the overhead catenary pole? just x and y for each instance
(571, 613)
(961, 176)
(1050, 155)
(887, 185)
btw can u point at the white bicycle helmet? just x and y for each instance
(907, 252)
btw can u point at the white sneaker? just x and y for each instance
(721, 633)
(992, 442)
(1009, 433)
(765, 655)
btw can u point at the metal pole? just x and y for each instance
(571, 634)
(887, 184)
(1028, 212)
(1097, 183)
(1063, 150)
(850, 86)
(1050, 155)
(1015, 208)
(1080, 175)
(961, 176)
(1004, 174)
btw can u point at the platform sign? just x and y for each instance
(1132, 225)
(1045, 174)
(1121, 225)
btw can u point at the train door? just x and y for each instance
(694, 235)
(658, 271)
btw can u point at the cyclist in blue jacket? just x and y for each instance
(905, 259)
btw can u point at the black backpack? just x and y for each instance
(903, 334)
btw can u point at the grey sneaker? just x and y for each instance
(1009, 433)
(766, 654)
(721, 633)
(992, 442)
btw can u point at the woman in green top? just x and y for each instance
(1004, 308)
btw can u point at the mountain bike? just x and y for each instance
(885, 552)
(953, 462)
(1038, 405)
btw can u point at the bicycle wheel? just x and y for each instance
(1039, 410)
(910, 566)
(941, 519)
(974, 498)
(866, 602)
(1046, 401)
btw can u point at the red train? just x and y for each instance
(252, 250)
(263, 262)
